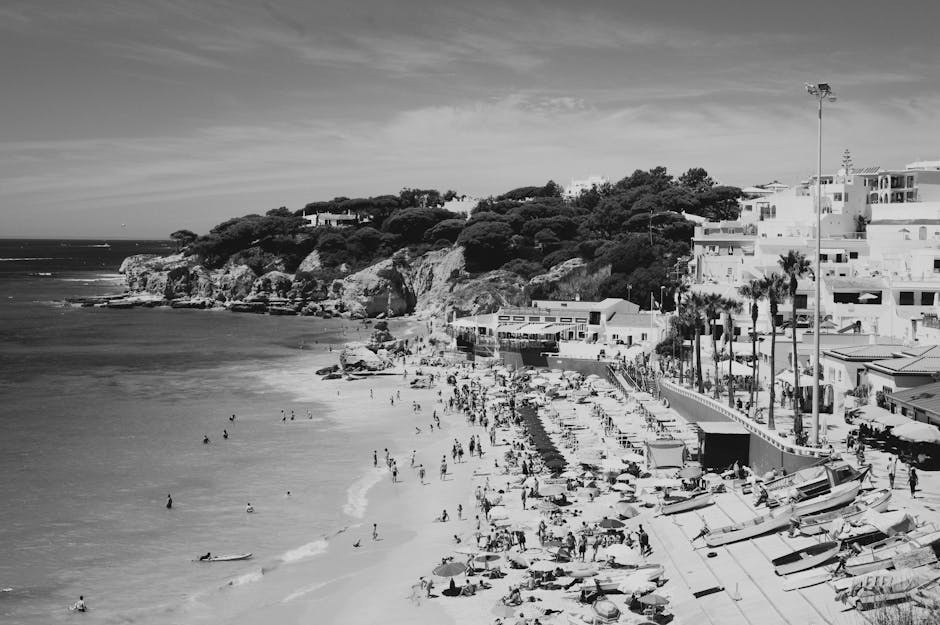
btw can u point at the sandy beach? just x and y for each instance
(376, 581)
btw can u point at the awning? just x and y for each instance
(722, 427)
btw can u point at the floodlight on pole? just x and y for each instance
(821, 91)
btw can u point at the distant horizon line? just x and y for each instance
(79, 238)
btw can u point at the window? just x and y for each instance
(906, 298)
(580, 319)
(801, 300)
(566, 319)
(503, 317)
(936, 265)
(926, 298)
(595, 318)
(549, 319)
(643, 336)
(837, 197)
(518, 318)
(853, 254)
(534, 318)
(922, 233)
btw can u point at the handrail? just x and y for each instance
(752, 427)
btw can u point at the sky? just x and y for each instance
(134, 118)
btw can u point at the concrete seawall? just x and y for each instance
(764, 454)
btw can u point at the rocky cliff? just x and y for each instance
(435, 283)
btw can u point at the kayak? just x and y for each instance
(226, 558)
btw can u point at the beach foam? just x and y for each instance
(246, 578)
(357, 499)
(303, 552)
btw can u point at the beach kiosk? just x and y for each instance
(722, 443)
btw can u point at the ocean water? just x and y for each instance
(102, 414)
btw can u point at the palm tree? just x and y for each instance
(751, 291)
(683, 325)
(731, 308)
(712, 305)
(773, 288)
(694, 308)
(795, 265)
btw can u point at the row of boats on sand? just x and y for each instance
(868, 556)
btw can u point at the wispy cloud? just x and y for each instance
(161, 55)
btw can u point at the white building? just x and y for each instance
(577, 187)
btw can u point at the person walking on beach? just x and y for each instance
(892, 468)
(523, 497)
(912, 480)
(375, 459)
(443, 467)
(205, 439)
(421, 473)
(460, 512)
(413, 452)
(169, 502)
(394, 475)
(644, 540)
(375, 531)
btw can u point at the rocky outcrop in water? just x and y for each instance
(358, 357)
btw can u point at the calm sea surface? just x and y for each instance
(102, 414)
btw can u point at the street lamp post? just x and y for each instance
(629, 292)
(821, 91)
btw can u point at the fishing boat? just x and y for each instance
(877, 501)
(674, 506)
(759, 525)
(882, 557)
(838, 497)
(806, 558)
(612, 581)
(805, 579)
(874, 590)
(813, 481)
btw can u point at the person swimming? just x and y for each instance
(205, 439)
(169, 502)
(249, 508)
(79, 606)
(225, 434)
(208, 556)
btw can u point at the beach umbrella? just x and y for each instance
(498, 512)
(548, 506)
(626, 477)
(467, 551)
(864, 297)
(918, 432)
(889, 419)
(691, 473)
(451, 569)
(543, 566)
(519, 559)
(609, 524)
(582, 570)
(626, 511)
(486, 558)
(654, 599)
(551, 490)
(526, 610)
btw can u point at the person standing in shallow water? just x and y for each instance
(169, 502)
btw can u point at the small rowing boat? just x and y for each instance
(685, 504)
(818, 523)
(763, 524)
(226, 558)
(806, 558)
(881, 555)
(838, 497)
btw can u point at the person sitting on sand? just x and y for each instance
(468, 590)
(514, 597)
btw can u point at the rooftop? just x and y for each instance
(863, 352)
(916, 365)
(926, 397)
